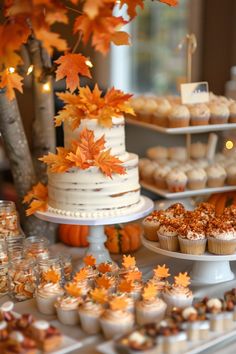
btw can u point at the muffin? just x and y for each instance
(198, 150)
(199, 114)
(46, 295)
(197, 178)
(143, 163)
(177, 153)
(221, 236)
(159, 176)
(151, 224)
(116, 320)
(178, 117)
(150, 308)
(176, 181)
(192, 238)
(67, 309)
(146, 113)
(216, 176)
(160, 116)
(148, 172)
(231, 174)
(137, 104)
(232, 112)
(219, 113)
(157, 153)
(178, 294)
(175, 210)
(168, 235)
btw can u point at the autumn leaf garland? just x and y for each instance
(84, 153)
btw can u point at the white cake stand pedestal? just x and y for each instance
(206, 269)
(97, 236)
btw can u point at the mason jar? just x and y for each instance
(36, 247)
(15, 247)
(3, 279)
(3, 252)
(9, 220)
(66, 264)
(22, 279)
(50, 270)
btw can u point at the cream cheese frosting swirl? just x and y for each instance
(68, 302)
(50, 290)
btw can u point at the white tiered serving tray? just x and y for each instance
(187, 193)
(186, 130)
(207, 268)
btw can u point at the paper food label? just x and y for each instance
(195, 92)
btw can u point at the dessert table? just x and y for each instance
(146, 260)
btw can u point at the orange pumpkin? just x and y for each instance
(123, 239)
(74, 235)
(222, 201)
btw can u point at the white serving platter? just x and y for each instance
(187, 193)
(186, 130)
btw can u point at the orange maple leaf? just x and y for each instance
(11, 81)
(125, 286)
(89, 260)
(182, 279)
(133, 276)
(128, 262)
(38, 199)
(78, 159)
(71, 66)
(103, 282)
(131, 6)
(89, 147)
(104, 268)
(109, 164)
(99, 295)
(161, 271)
(119, 101)
(81, 275)
(36, 205)
(73, 290)
(170, 2)
(118, 303)
(71, 113)
(149, 292)
(57, 162)
(91, 7)
(51, 276)
(50, 40)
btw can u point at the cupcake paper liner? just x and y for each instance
(217, 246)
(218, 120)
(216, 182)
(150, 232)
(197, 184)
(169, 243)
(192, 246)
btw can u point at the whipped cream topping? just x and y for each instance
(118, 316)
(17, 336)
(193, 235)
(216, 170)
(179, 111)
(151, 304)
(176, 175)
(219, 109)
(224, 235)
(41, 325)
(214, 303)
(199, 110)
(91, 307)
(179, 292)
(50, 290)
(197, 174)
(167, 230)
(68, 302)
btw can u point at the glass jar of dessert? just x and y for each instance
(50, 270)
(66, 264)
(9, 220)
(3, 279)
(22, 279)
(3, 252)
(36, 247)
(15, 247)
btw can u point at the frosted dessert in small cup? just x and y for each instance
(214, 308)
(160, 116)
(199, 114)
(173, 339)
(90, 267)
(116, 320)
(219, 113)
(192, 238)
(107, 282)
(178, 294)
(81, 280)
(46, 295)
(221, 236)
(151, 224)
(159, 279)
(92, 309)
(135, 279)
(178, 116)
(150, 308)
(197, 178)
(168, 234)
(216, 175)
(124, 290)
(230, 296)
(176, 181)
(196, 325)
(128, 265)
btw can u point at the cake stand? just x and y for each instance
(97, 235)
(206, 268)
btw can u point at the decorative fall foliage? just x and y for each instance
(161, 272)
(51, 276)
(104, 268)
(99, 295)
(89, 260)
(125, 286)
(37, 199)
(103, 282)
(128, 262)
(84, 154)
(118, 303)
(81, 275)
(73, 289)
(182, 279)
(149, 292)
(133, 276)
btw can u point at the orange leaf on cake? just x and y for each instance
(161, 271)
(71, 66)
(36, 205)
(81, 275)
(73, 290)
(103, 282)
(89, 147)
(182, 279)
(89, 260)
(104, 268)
(78, 159)
(118, 304)
(128, 262)
(11, 81)
(125, 286)
(37, 199)
(51, 276)
(149, 292)
(109, 164)
(170, 2)
(57, 162)
(131, 6)
(99, 295)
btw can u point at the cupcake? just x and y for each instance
(143, 163)
(46, 296)
(177, 153)
(107, 282)
(198, 150)
(159, 279)
(219, 113)
(168, 235)
(192, 238)
(148, 172)
(197, 178)
(216, 176)
(116, 320)
(176, 181)
(178, 117)
(231, 174)
(135, 278)
(150, 308)
(137, 104)
(232, 112)
(67, 309)
(203, 213)
(157, 153)
(221, 236)
(199, 114)
(146, 113)
(160, 116)
(159, 176)
(200, 163)
(175, 210)
(179, 294)
(91, 310)
(151, 224)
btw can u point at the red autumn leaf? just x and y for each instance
(89, 147)
(170, 2)
(50, 40)
(57, 162)
(71, 66)
(11, 81)
(109, 164)
(131, 6)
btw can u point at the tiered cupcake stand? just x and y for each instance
(97, 236)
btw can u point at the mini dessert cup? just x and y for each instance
(118, 323)
(197, 247)
(67, 310)
(170, 243)
(46, 297)
(90, 314)
(174, 344)
(176, 181)
(220, 246)
(173, 300)
(150, 311)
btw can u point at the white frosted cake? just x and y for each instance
(89, 192)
